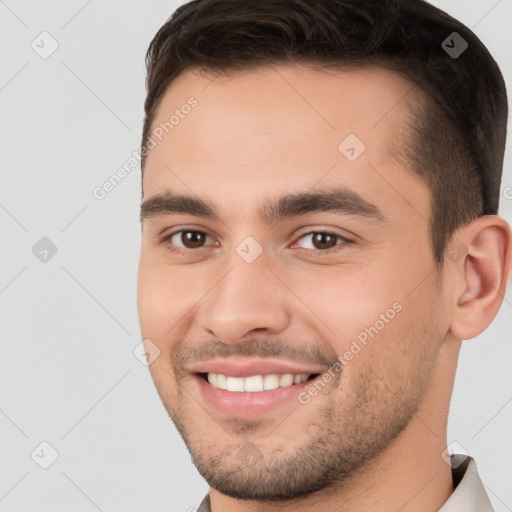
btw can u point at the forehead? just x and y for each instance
(286, 128)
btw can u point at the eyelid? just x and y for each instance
(345, 241)
(166, 239)
(327, 230)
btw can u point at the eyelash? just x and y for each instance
(316, 252)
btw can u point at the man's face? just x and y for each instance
(304, 288)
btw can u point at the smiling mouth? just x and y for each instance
(255, 383)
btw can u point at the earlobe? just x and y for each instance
(482, 275)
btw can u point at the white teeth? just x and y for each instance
(221, 381)
(213, 379)
(234, 384)
(270, 382)
(255, 383)
(286, 380)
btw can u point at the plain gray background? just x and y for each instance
(69, 325)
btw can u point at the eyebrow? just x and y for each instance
(339, 200)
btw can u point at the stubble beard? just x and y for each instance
(343, 437)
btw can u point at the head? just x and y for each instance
(325, 199)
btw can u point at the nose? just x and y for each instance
(248, 297)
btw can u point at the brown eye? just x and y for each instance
(192, 239)
(321, 240)
(324, 240)
(187, 239)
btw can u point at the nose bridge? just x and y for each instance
(246, 296)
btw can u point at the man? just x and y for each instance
(320, 231)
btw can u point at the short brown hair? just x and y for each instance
(456, 141)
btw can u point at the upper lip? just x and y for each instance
(247, 367)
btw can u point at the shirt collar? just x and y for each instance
(469, 494)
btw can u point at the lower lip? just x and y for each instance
(246, 403)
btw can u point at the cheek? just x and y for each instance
(154, 286)
(150, 290)
(156, 301)
(344, 301)
(165, 296)
(369, 321)
(390, 371)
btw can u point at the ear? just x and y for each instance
(480, 277)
